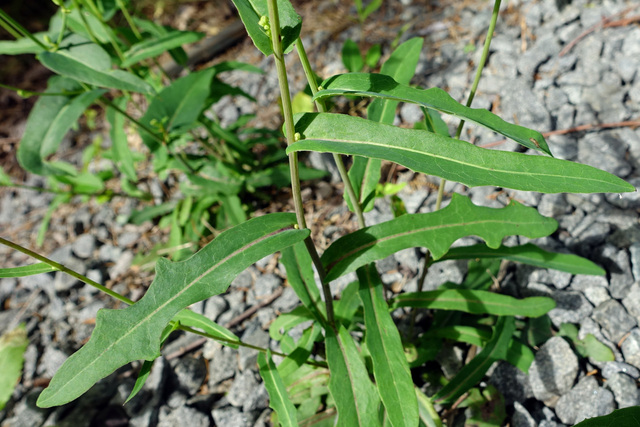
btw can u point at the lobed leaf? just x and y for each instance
(449, 158)
(383, 86)
(251, 11)
(435, 230)
(473, 371)
(133, 333)
(355, 396)
(528, 254)
(390, 367)
(155, 46)
(27, 270)
(475, 302)
(278, 398)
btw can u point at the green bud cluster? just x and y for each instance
(264, 23)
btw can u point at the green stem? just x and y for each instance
(129, 19)
(28, 93)
(127, 301)
(19, 29)
(320, 105)
(93, 9)
(287, 112)
(92, 36)
(64, 269)
(64, 13)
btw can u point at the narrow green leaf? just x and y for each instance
(27, 270)
(348, 304)
(176, 106)
(373, 55)
(351, 57)
(49, 121)
(383, 86)
(251, 11)
(63, 63)
(528, 254)
(619, 417)
(390, 367)
(298, 355)
(12, 346)
(449, 158)
(473, 371)
(133, 333)
(591, 347)
(286, 321)
(364, 174)
(152, 47)
(436, 231)
(278, 398)
(192, 319)
(298, 263)
(355, 396)
(475, 302)
(122, 155)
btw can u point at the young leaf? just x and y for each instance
(449, 158)
(383, 86)
(192, 319)
(152, 47)
(428, 415)
(12, 346)
(177, 105)
(26, 270)
(251, 12)
(390, 366)
(278, 399)
(435, 230)
(133, 333)
(475, 302)
(297, 262)
(528, 254)
(373, 55)
(355, 396)
(619, 417)
(351, 57)
(473, 372)
(49, 121)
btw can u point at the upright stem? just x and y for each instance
(287, 112)
(13, 27)
(320, 105)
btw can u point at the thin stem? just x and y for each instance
(64, 12)
(320, 105)
(129, 19)
(20, 29)
(287, 112)
(92, 36)
(71, 193)
(64, 269)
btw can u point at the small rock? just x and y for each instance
(109, 253)
(214, 307)
(287, 301)
(265, 285)
(51, 361)
(84, 246)
(553, 371)
(26, 413)
(248, 393)
(121, 266)
(223, 366)
(522, 417)
(631, 348)
(190, 373)
(613, 367)
(585, 400)
(625, 390)
(571, 307)
(183, 416)
(253, 334)
(613, 319)
(63, 281)
(231, 416)
(511, 382)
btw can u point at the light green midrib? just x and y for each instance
(471, 165)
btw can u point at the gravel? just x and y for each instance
(596, 82)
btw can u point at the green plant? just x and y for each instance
(83, 44)
(356, 381)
